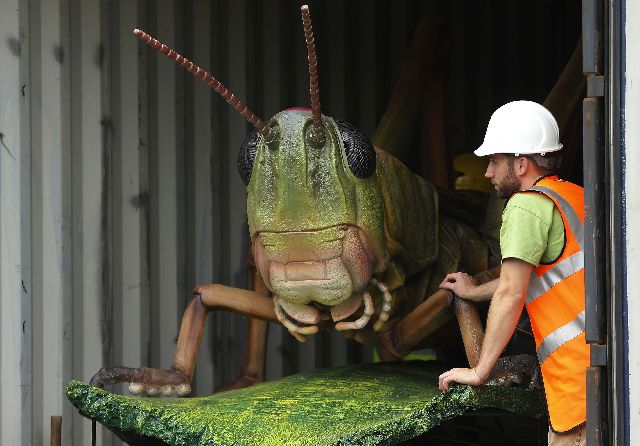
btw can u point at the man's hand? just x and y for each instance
(461, 284)
(462, 376)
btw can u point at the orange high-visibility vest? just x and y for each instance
(556, 306)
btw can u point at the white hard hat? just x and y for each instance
(521, 127)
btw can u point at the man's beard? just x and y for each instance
(510, 185)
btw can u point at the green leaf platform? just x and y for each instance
(360, 405)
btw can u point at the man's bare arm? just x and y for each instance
(504, 313)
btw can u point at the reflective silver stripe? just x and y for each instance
(577, 227)
(540, 285)
(561, 336)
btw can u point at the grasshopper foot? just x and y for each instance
(240, 382)
(520, 370)
(144, 380)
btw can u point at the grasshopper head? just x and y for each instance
(315, 210)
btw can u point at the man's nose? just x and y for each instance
(488, 173)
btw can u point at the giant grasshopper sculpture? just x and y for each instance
(344, 237)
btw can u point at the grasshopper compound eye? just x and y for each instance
(247, 155)
(360, 154)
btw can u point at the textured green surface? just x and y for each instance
(361, 405)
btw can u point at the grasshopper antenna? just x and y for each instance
(317, 133)
(211, 81)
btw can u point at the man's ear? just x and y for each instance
(522, 165)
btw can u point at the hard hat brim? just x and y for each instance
(485, 150)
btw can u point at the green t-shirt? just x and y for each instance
(532, 229)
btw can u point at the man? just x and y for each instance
(541, 242)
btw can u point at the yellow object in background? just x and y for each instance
(472, 169)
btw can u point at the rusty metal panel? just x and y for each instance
(89, 253)
(50, 214)
(592, 39)
(233, 244)
(596, 406)
(594, 248)
(198, 175)
(161, 96)
(15, 319)
(130, 288)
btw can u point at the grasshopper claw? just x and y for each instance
(363, 320)
(136, 388)
(152, 390)
(183, 389)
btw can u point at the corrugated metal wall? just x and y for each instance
(118, 185)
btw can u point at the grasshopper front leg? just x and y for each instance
(177, 379)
